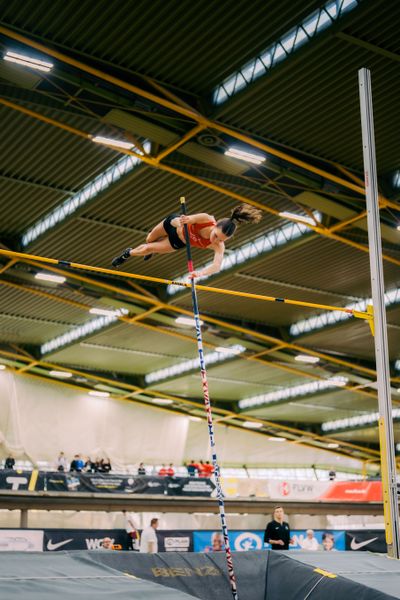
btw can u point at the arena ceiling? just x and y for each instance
(183, 82)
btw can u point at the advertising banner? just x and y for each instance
(121, 484)
(242, 541)
(91, 539)
(21, 540)
(372, 540)
(14, 480)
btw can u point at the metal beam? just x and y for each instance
(320, 229)
(351, 39)
(189, 113)
(219, 322)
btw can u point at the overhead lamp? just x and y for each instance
(256, 159)
(104, 312)
(99, 394)
(398, 227)
(230, 349)
(187, 321)
(194, 419)
(306, 358)
(2, 367)
(298, 218)
(28, 61)
(161, 401)
(50, 277)
(99, 139)
(276, 439)
(252, 425)
(332, 445)
(61, 374)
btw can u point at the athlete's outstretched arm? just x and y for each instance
(215, 267)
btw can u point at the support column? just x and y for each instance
(386, 435)
(23, 522)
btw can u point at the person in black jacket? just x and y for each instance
(9, 462)
(277, 532)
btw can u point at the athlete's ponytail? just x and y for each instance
(244, 213)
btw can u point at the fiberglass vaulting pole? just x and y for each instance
(204, 381)
(386, 435)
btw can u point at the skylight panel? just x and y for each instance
(90, 190)
(280, 50)
(188, 365)
(357, 421)
(332, 317)
(81, 331)
(295, 391)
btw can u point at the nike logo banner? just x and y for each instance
(368, 540)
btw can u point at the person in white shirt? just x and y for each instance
(148, 540)
(133, 534)
(62, 463)
(310, 542)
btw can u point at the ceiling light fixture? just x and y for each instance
(252, 425)
(49, 277)
(195, 419)
(99, 394)
(104, 312)
(99, 139)
(28, 61)
(306, 358)
(250, 157)
(61, 374)
(2, 367)
(187, 321)
(161, 401)
(277, 439)
(298, 218)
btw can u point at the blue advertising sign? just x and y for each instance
(242, 541)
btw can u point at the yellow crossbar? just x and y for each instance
(72, 265)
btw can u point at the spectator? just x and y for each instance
(77, 464)
(328, 542)
(217, 543)
(132, 532)
(141, 469)
(62, 463)
(171, 470)
(208, 469)
(90, 465)
(105, 465)
(310, 542)
(107, 544)
(9, 462)
(192, 469)
(200, 468)
(148, 541)
(277, 532)
(163, 472)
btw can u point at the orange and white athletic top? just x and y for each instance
(194, 234)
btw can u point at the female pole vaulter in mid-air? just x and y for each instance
(204, 232)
